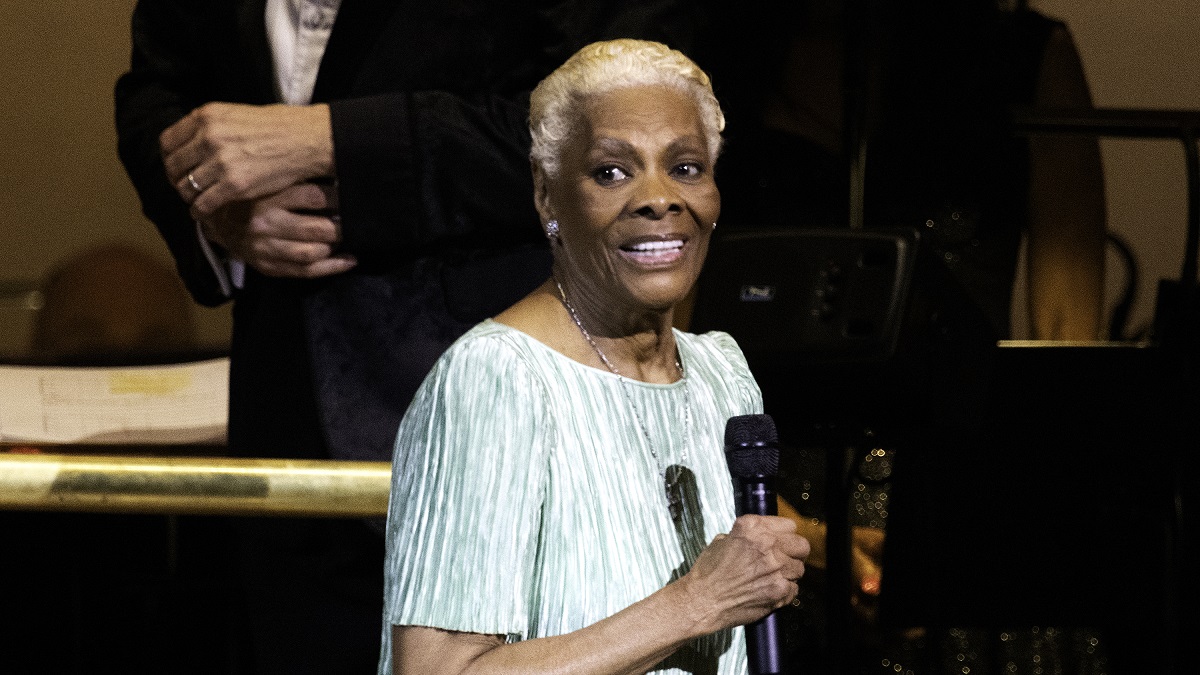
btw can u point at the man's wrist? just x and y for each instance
(320, 139)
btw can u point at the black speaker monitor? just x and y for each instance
(808, 295)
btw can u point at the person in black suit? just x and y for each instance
(354, 176)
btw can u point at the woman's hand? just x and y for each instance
(746, 574)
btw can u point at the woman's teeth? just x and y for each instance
(655, 246)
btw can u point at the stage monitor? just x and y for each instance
(808, 295)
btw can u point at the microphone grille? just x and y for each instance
(751, 445)
(750, 429)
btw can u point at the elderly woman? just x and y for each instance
(560, 475)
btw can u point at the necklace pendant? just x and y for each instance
(673, 487)
(674, 503)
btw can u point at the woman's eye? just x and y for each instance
(609, 174)
(688, 169)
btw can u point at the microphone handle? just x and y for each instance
(762, 646)
(762, 636)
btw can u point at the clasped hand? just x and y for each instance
(279, 236)
(245, 172)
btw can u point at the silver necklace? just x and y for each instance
(670, 482)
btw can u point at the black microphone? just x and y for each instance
(752, 452)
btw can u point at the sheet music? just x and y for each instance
(173, 404)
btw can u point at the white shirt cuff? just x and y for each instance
(230, 273)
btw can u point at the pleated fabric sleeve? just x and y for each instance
(466, 495)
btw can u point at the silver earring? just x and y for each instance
(552, 229)
(714, 225)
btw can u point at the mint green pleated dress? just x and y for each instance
(526, 501)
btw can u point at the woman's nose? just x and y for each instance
(656, 196)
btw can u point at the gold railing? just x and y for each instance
(193, 485)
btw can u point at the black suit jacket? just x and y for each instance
(429, 105)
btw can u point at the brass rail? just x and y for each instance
(193, 485)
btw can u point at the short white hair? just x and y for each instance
(602, 67)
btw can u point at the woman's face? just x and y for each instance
(635, 200)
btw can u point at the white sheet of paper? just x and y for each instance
(172, 404)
